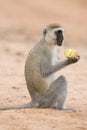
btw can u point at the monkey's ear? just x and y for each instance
(44, 31)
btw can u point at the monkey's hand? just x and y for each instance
(73, 59)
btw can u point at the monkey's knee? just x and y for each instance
(61, 82)
(59, 86)
(62, 78)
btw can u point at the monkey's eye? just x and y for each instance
(58, 32)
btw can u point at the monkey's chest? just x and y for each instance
(54, 57)
(52, 77)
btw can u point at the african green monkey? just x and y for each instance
(45, 88)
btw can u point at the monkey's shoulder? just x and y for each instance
(40, 50)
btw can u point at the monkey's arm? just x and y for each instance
(47, 68)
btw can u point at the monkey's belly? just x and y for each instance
(40, 85)
(43, 84)
(51, 78)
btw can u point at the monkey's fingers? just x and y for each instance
(73, 59)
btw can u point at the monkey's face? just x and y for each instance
(59, 36)
(54, 36)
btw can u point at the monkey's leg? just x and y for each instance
(59, 89)
(56, 95)
(62, 93)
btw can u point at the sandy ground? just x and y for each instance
(21, 23)
(13, 91)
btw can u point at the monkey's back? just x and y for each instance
(35, 82)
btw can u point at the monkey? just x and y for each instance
(46, 89)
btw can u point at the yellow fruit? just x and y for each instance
(70, 53)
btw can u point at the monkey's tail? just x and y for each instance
(22, 106)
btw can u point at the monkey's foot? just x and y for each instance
(68, 108)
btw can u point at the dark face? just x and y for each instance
(59, 37)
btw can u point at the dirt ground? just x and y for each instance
(17, 36)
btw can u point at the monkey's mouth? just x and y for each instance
(59, 40)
